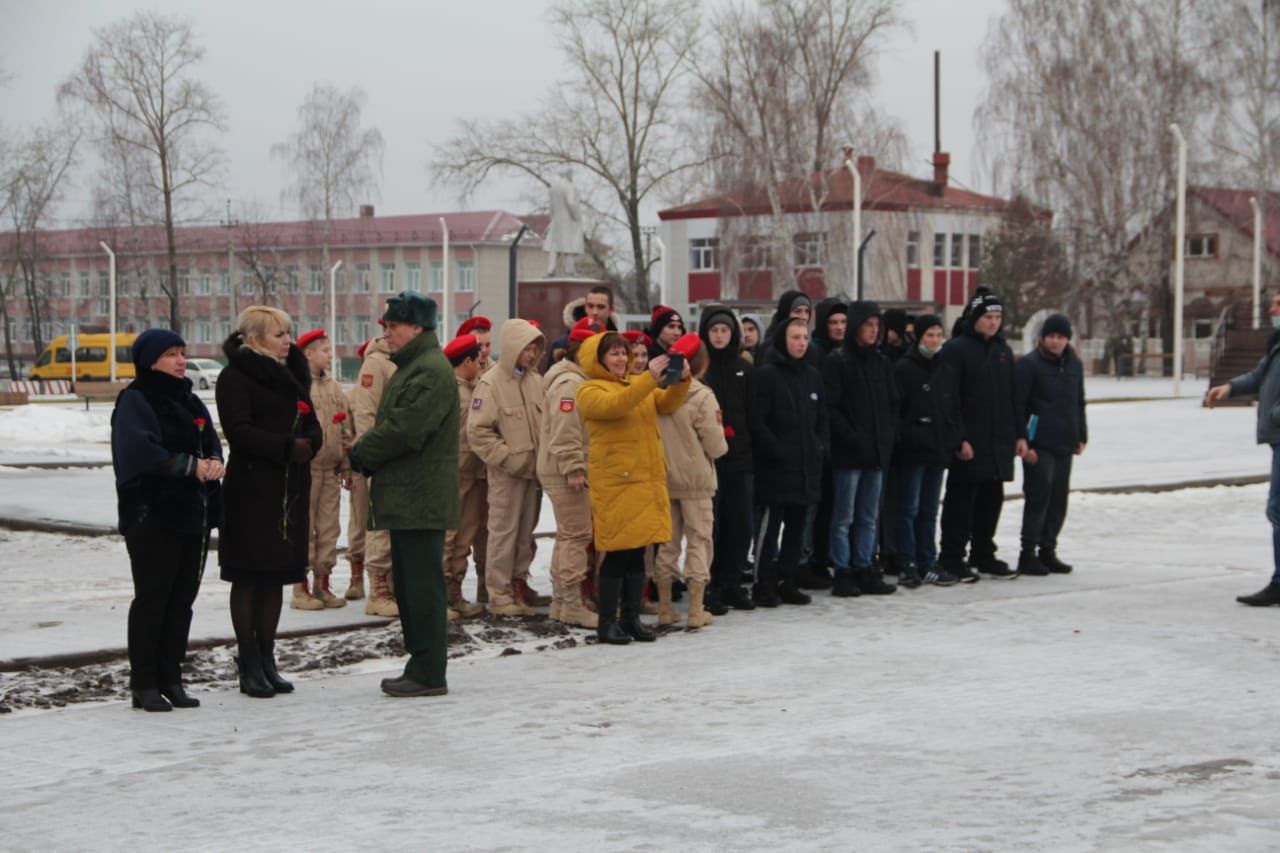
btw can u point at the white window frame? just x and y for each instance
(940, 250)
(810, 249)
(435, 277)
(361, 284)
(413, 276)
(704, 254)
(464, 277)
(386, 279)
(913, 250)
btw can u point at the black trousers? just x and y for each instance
(790, 518)
(820, 556)
(970, 513)
(166, 577)
(1046, 486)
(734, 524)
(417, 570)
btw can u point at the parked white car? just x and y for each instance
(203, 372)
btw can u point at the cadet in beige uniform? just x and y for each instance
(358, 513)
(472, 536)
(365, 396)
(502, 429)
(329, 470)
(692, 439)
(479, 325)
(562, 470)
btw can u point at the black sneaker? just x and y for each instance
(940, 577)
(1028, 564)
(789, 593)
(844, 585)
(1050, 561)
(994, 567)
(714, 604)
(871, 582)
(813, 577)
(1262, 598)
(962, 572)
(739, 599)
(909, 576)
(765, 595)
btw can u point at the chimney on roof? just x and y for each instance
(366, 211)
(941, 160)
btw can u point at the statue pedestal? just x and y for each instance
(543, 299)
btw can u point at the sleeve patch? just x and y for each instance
(475, 404)
(366, 380)
(566, 404)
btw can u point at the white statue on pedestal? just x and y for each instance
(565, 236)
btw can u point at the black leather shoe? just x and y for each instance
(789, 593)
(150, 700)
(405, 687)
(1050, 561)
(765, 594)
(610, 632)
(637, 630)
(871, 582)
(272, 675)
(1029, 564)
(739, 599)
(178, 696)
(714, 604)
(1262, 598)
(843, 585)
(813, 577)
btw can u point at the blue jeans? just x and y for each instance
(856, 505)
(919, 491)
(1273, 510)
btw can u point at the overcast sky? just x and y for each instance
(424, 65)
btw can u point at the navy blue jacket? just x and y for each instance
(1052, 389)
(155, 445)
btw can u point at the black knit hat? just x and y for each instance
(895, 320)
(924, 322)
(982, 304)
(151, 344)
(1056, 324)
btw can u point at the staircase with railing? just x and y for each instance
(1237, 346)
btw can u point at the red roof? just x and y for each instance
(471, 227)
(1233, 205)
(881, 190)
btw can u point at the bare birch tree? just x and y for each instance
(138, 80)
(614, 123)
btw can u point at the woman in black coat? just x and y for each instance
(789, 441)
(167, 462)
(264, 406)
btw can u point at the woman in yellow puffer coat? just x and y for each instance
(626, 474)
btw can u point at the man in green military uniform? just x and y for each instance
(412, 454)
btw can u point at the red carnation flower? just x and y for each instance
(728, 432)
(200, 422)
(339, 417)
(303, 408)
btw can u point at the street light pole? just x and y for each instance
(857, 224)
(111, 347)
(1179, 261)
(1257, 262)
(333, 315)
(447, 307)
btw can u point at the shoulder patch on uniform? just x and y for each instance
(719, 417)
(475, 404)
(566, 404)
(366, 380)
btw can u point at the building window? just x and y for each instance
(939, 251)
(184, 282)
(364, 327)
(975, 251)
(413, 277)
(435, 277)
(64, 284)
(84, 285)
(913, 249)
(466, 271)
(206, 285)
(361, 284)
(811, 248)
(46, 330)
(142, 283)
(204, 331)
(224, 282)
(104, 306)
(757, 253)
(315, 280)
(246, 280)
(957, 251)
(704, 254)
(340, 333)
(388, 278)
(224, 329)
(1202, 246)
(291, 277)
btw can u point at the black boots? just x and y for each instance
(844, 585)
(765, 591)
(1266, 597)
(277, 683)
(149, 699)
(1050, 561)
(633, 591)
(608, 630)
(789, 593)
(871, 582)
(178, 697)
(253, 680)
(713, 603)
(738, 598)
(813, 577)
(1030, 564)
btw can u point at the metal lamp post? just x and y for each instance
(333, 315)
(446, 307)
(111, 347)
(1179, 261)
(857, 224)
(1257, 262)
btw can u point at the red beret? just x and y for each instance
(361, 349)
(584, 329)
(686, 345)
(310, 337)
(479, 321)
(535, 324)
(382, 322)
(459, 345)
(635, 336)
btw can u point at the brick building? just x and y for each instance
(222, 270)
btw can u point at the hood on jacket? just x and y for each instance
(711, 315)
(822, 312)
(779, 342)
(574, 311)
(786, 302)
(513, 337)
(377, 346)
(859, 313)
(589, 360)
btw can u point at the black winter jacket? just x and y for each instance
(733, 379)
(790, 433)
(984, 382)
(930, 428)
(820, 343)
(155, 445)
(1052, 389)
